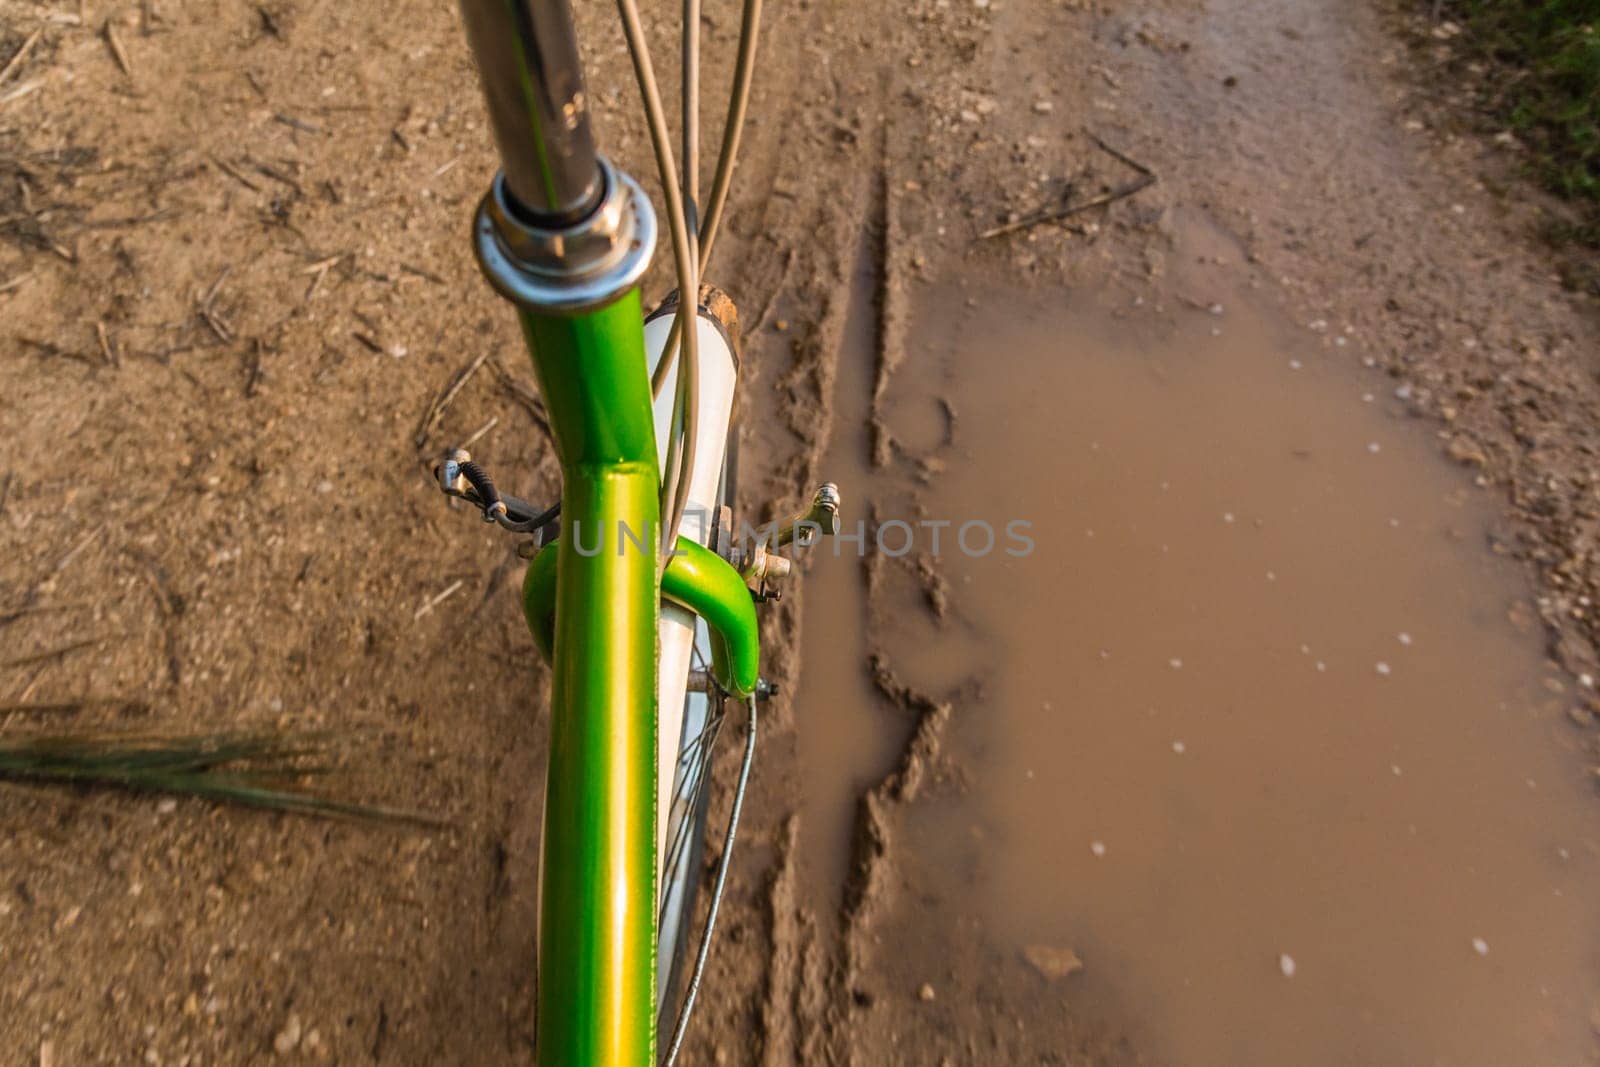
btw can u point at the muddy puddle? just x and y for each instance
(1263, 730)
(849, 741)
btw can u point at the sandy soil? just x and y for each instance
(234, 279)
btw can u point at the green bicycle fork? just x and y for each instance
(566, 238)
(597, 889)
(593, 603)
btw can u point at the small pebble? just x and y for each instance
(1480, 946)
(1374, 447)
(925, 993)
(1286, 965)
(1175, 663)
(1383, 668)
(1405, 638)
(1179, 747)
(1053, 962)
(1098, 848)
(1295, 364)
(287, 1039)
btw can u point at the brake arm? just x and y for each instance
(695, 578)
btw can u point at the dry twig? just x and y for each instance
(20, 54)
(207, 311)
(51, 654)
(519, 391)
(106, 346)
(277, 175)
(428, 606)
(435, 412)
(412, 268)
(1146, 178)
(118, 53)
(21, 91)
(296, 124)
(478, 434)
(228, 169)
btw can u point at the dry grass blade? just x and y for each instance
(21, 91)
(21, 54)
(69, 708)
(50, 654)
(252, 769)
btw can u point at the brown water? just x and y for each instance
(1253, 705)
(848, 740)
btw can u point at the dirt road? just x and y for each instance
(234, 280)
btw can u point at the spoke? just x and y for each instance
(693, 776)
(698, 777)
(707, 735)
(716, 893)
(697, 751)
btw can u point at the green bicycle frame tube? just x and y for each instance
(597, 966)
(695, 578)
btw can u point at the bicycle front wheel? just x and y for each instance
(691, 715)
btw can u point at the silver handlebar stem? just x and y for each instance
(527, 57)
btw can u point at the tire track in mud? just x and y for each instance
(800, 1012)
(874, 885)
(835, 972)
(794, 1007)
(812, 986)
